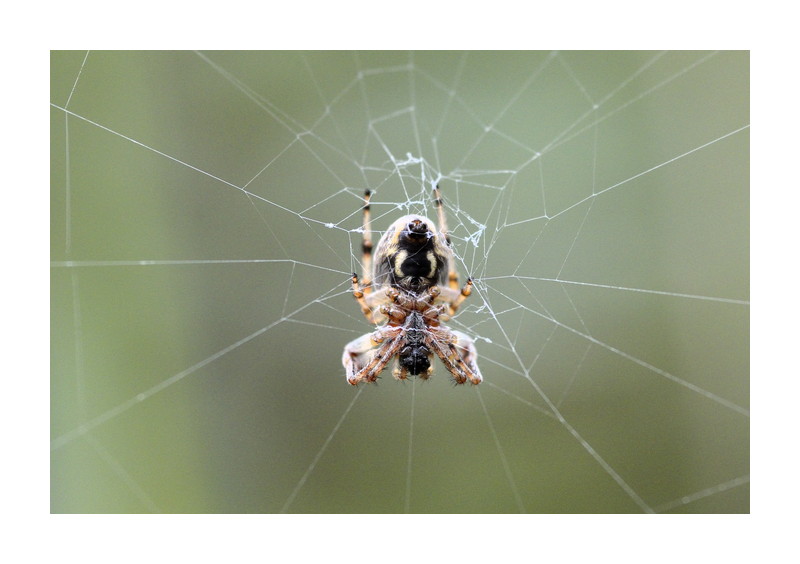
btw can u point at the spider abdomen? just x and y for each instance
(419, 263)
(412, 255)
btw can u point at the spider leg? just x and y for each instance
(399, 372)
(363, 289)
(462, 295)
(380, 359)
(454, 297)
(457, 352)
(452, 273)
(440, 213)
(366, 244)
(452, 294)
(364, 358)
(361, 298)
(468, 354)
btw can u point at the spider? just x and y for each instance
(412, 287)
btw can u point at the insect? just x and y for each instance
(411, 287)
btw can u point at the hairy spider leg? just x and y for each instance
(455, 296)
(465, 347)
(452, 273)
(360, 297)
(457, 353)
(459, 298)
(363, 288)
(380, 358)
(366, 244)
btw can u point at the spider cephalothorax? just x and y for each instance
(406, 288)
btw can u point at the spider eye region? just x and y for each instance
(416, 359)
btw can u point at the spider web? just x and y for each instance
(206, 217)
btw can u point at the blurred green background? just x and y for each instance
(209, 380)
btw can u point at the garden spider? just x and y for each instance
(406, 288)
